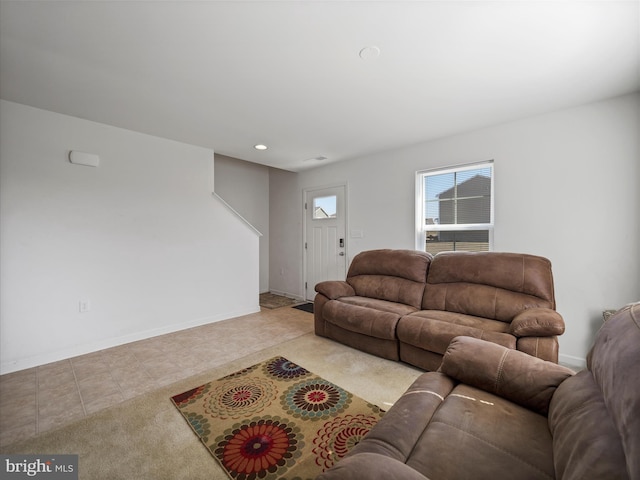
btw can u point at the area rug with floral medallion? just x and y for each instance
(276, 419)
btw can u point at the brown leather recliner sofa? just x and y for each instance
(408, 305)
(495, 413)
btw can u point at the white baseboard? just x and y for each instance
(575, 363)
(56, 356)
(287, 294)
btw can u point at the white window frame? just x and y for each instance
(421, 228)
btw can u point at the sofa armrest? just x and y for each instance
(537, 322)
(514, 375)
(370, 465)
(333, 289)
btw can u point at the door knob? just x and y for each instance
(341, 254)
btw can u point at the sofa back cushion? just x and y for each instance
(585, 441)
(393, 275)
(488, 284)
(593, 416)
(614, 361)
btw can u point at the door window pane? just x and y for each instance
(324, 207)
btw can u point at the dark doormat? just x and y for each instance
(305, 307)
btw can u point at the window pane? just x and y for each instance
(455, 208)
(433, 186)
(465, 240)
(324, 207)
(458, 198)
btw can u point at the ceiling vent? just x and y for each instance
(316, 159)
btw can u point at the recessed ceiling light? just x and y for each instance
(260, 147)
(369, 53)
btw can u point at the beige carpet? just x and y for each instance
(147, 438)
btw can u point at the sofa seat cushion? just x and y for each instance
(442, 429)
(397, 434)
(475, 434)
(433, 330)
(360, 319)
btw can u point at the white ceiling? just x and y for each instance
(229, 75)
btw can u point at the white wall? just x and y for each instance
(286, 220)
(245, 187)
(566, 187)
(141, 237)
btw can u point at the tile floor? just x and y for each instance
(49, 396)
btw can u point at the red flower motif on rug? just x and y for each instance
(262, 446)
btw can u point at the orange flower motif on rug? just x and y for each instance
(276, 420)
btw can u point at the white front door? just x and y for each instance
(325, 241)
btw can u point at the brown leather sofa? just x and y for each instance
(496, 413)
(408, 305)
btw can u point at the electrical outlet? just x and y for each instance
(84, 306)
